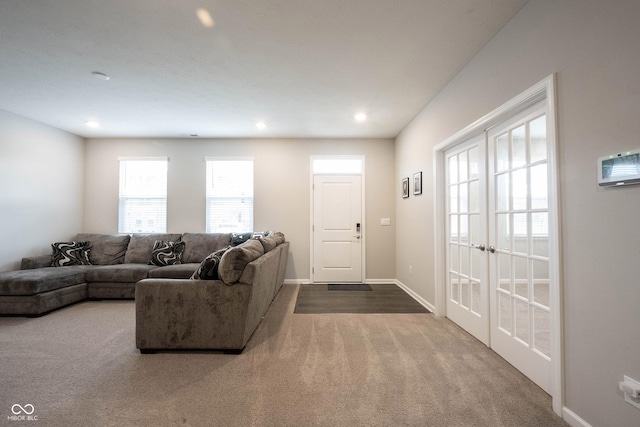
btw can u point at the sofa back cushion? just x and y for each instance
(199, 245)
(105, 248)
(236, 259)
(141, 246)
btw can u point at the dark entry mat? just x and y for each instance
(316, 299)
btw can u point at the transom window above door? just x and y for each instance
(336, 165)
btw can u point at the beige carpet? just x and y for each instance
(79, 367)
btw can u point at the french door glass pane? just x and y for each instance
(475, 296)
(503, 234)
(474, 195)
(520, 189)
(539, 196)
(522, 320)
(504, 271)
(542, 328)
(502, 152)
(464, 292)
(453, 170)
(463, 205)
(521, 276)
(518, 147)
(453, 228)
(455, 288)
(453, 198)
(464, 260)
(462, 166)
(502, 192)
(538, 139)
(453, 256)
(505, 315)
(464, 229)
(473, 163)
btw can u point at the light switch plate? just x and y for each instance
(385, 221)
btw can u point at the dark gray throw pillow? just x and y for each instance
(208, 269)
(239, 238)
(70, 253)
(166, 253)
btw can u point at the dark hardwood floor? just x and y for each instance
(316, 299)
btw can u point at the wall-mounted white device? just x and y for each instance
(619, 169)
(631, 390)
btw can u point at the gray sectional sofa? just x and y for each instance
(173, 311)
(177, 314)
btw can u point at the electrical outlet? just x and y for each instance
(410, 270)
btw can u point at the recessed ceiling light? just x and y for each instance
(92, 123)
(360, 117)
(261, 125)
(205, 17)
(100, 76)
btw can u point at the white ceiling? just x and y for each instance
(304, 67)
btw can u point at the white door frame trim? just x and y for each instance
(545, 90)
(363, 234)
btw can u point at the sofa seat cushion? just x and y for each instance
(176, 271)
(119, 273)
(199, 245)
(31, 282)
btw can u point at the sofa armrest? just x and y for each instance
(191, 314)
(40, 261)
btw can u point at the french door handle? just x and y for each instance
(481, 247)
(492, 249)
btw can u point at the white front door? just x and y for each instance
(337, 228)
(467, 276)
(519, 244)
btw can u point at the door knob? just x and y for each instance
(492, 249)
(481, 247)
(357, 237)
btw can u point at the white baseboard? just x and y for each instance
(423, 302)
(573, 419)
(297, 282)
(380, 281)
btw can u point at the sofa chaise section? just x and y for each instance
(38, 291)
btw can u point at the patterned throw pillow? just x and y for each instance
(166, 253)
(208, 269)
(70, 253)
(239, 238)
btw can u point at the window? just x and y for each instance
(337, 165)
(229, 196)
(143, 196)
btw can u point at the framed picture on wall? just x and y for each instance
(405, 188)
(417, 183)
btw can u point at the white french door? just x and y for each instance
(337, 228)
(466, 218)
(519, 238)
(497, 222)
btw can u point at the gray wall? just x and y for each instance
(282, 189)
(41, 171)
(592, 45)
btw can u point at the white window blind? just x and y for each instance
(143, 196)
(229, 196)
